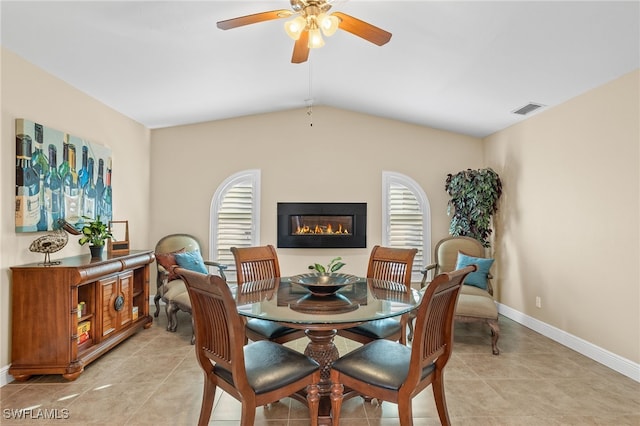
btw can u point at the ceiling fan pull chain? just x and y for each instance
(309, 99)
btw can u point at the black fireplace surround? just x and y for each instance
(322, 225)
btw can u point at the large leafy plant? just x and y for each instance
(333, 266)
(474, 200)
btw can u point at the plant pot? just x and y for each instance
(96, 251)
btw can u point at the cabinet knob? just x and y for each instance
(118, 304)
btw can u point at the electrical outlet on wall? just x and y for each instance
(538, 302)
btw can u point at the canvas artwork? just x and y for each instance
(59, 176)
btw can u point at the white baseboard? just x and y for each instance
(604, 357)
(596, 353)
(5, 377)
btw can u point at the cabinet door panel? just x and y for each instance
(108, 293)
(126, 291)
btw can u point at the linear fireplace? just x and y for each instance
(322, 225)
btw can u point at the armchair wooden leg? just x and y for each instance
(495, 335)
(156, 301)
(172, 316)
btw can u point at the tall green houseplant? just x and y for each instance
(474, 200)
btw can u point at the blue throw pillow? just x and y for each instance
(479, 277)
(191, 260)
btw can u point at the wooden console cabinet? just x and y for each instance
(46, 311)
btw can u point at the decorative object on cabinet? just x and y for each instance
(47, 311)
(53, 242)
(474, 200)
(55, 178)
(119, 241)
(96, 234)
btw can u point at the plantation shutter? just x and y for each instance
(235, 221)
(406, 223)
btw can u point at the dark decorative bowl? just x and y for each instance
(323, 284)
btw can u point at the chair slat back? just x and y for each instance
(219, 330)
(433, 336)
(256, 263)
(392, 264)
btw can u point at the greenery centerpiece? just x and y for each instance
(95, 232)
(474, 200)
(333, 266)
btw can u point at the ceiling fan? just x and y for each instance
(311, 22)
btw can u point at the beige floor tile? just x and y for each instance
(153, 378)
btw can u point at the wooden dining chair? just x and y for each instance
(390, 371)
(261, 263)
(256, 374)
(386, 264)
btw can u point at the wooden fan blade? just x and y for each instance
(362, 29)
(253, 19)
(301, 49)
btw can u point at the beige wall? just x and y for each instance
(567, 229)
(569, 220)
(340, 158)
(28, 92)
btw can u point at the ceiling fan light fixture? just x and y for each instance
(315, 39)
(328, 24)
(295, 27)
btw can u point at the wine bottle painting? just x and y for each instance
(59, 176)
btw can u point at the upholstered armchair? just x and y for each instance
(476, 303)
(172, 251)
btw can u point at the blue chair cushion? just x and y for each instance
(191, 260)
(479, 277)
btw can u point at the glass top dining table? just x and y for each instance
(293, 305)
(283, 301)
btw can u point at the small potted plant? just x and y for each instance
(95, 232)
(333, 266)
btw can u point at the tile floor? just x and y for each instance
(153, 379)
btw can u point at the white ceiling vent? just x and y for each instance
(527, 109)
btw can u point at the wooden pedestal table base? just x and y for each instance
(322, 348)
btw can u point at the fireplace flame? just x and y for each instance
(321, 229)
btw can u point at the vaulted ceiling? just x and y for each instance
(452, 65)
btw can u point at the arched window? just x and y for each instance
(406, 218)
(235, 217)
